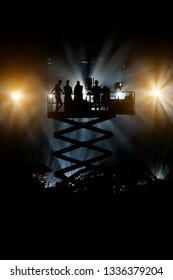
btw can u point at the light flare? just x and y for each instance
(16, 95)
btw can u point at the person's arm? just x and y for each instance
(53, 89)
(61, 90)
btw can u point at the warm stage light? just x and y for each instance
(156, 92)
(16, 96)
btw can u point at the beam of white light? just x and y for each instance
(156, 92)
(160, 170)
(111, 70)
(74, 65)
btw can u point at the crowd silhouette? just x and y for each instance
(57, 90)
(68, 96)
(74, 101)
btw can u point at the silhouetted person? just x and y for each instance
(106, 97)
(68, 96)
(78, 93)
(57, 91)
(96, 91)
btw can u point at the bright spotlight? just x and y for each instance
(16, 96)
(118, 86)
(156, 92)
(50, 95)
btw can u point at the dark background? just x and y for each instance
(35, 30)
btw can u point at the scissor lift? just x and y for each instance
(86, 117)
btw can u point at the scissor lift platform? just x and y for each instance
(87, 117)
